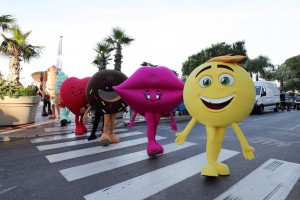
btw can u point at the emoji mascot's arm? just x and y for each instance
(246, 148)
(173, 124)
(132, 120)
(181, 136)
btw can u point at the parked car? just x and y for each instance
(267, 96)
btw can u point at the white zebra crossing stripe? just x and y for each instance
(61, 137)
(93, 150)
(93, 168)
(272, 180)
(153, 182)
(78, 142)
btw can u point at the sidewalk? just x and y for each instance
(43, 125)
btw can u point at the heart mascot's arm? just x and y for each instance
(181, 136)
(173, 124)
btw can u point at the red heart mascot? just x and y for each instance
(72, 93)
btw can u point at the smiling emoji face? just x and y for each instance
(219, 92)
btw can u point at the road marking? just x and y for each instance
(153, 182)
(79, 142)
(260, 118)
(272, 180)
(57, 129)
(93, 168)
(292, 128)
(6, 190)
(61, 137)
(98, 149)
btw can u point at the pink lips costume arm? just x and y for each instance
(152, 92)
(72, 93)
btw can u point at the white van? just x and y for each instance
(267, 96)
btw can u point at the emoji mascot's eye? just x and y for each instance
(79, 92)
(147, 96)
(71, 92)
(205, 81)
(226, 79)
(158, 96)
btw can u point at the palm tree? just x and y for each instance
(148, 64)
(282, 74)
(103, 49)
(6, 21)
(17, 49)
(118, 38)
(258, 65)
(250, 67)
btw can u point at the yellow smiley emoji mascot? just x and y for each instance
(219, 93)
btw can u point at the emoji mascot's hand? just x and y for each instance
(181, 137)
(248, 152)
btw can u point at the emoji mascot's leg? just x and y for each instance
(64, 116)
(112, 136)
(98, 115)
(78, 129)
(210, 169)
(83, 127)
(221, 167)
(152, 120)
(49, 107)
(52, 102)
(104, 139)
(45, 103)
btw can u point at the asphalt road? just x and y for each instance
(68, 167)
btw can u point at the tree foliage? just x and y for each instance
(293, 64)
(219, 49)
(6, 21)
(17, 49)
(118, 38)
(102, 58)
(259, 66)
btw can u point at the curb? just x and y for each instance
(123, 124)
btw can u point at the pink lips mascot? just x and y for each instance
(152, 92)
(72, 92)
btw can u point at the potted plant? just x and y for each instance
(18, 104)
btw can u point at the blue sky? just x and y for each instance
(166, 32)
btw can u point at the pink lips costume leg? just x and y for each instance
(152, 92)
(153, 147)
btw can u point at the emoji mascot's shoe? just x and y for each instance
(209, 170)
(44, 113)
(92, 137)
(114, 138)
(52, 117)
(154, 148)
(63, 122)
(104, 139)
(83, 128)
(79, 130)
(222, 169)
(49, 112)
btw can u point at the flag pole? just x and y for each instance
(59, 54)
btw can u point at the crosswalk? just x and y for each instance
(276, 177)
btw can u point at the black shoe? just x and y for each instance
(92, 137)
(49, 112)
(44, 113)
(288, 110)
(63, 122)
